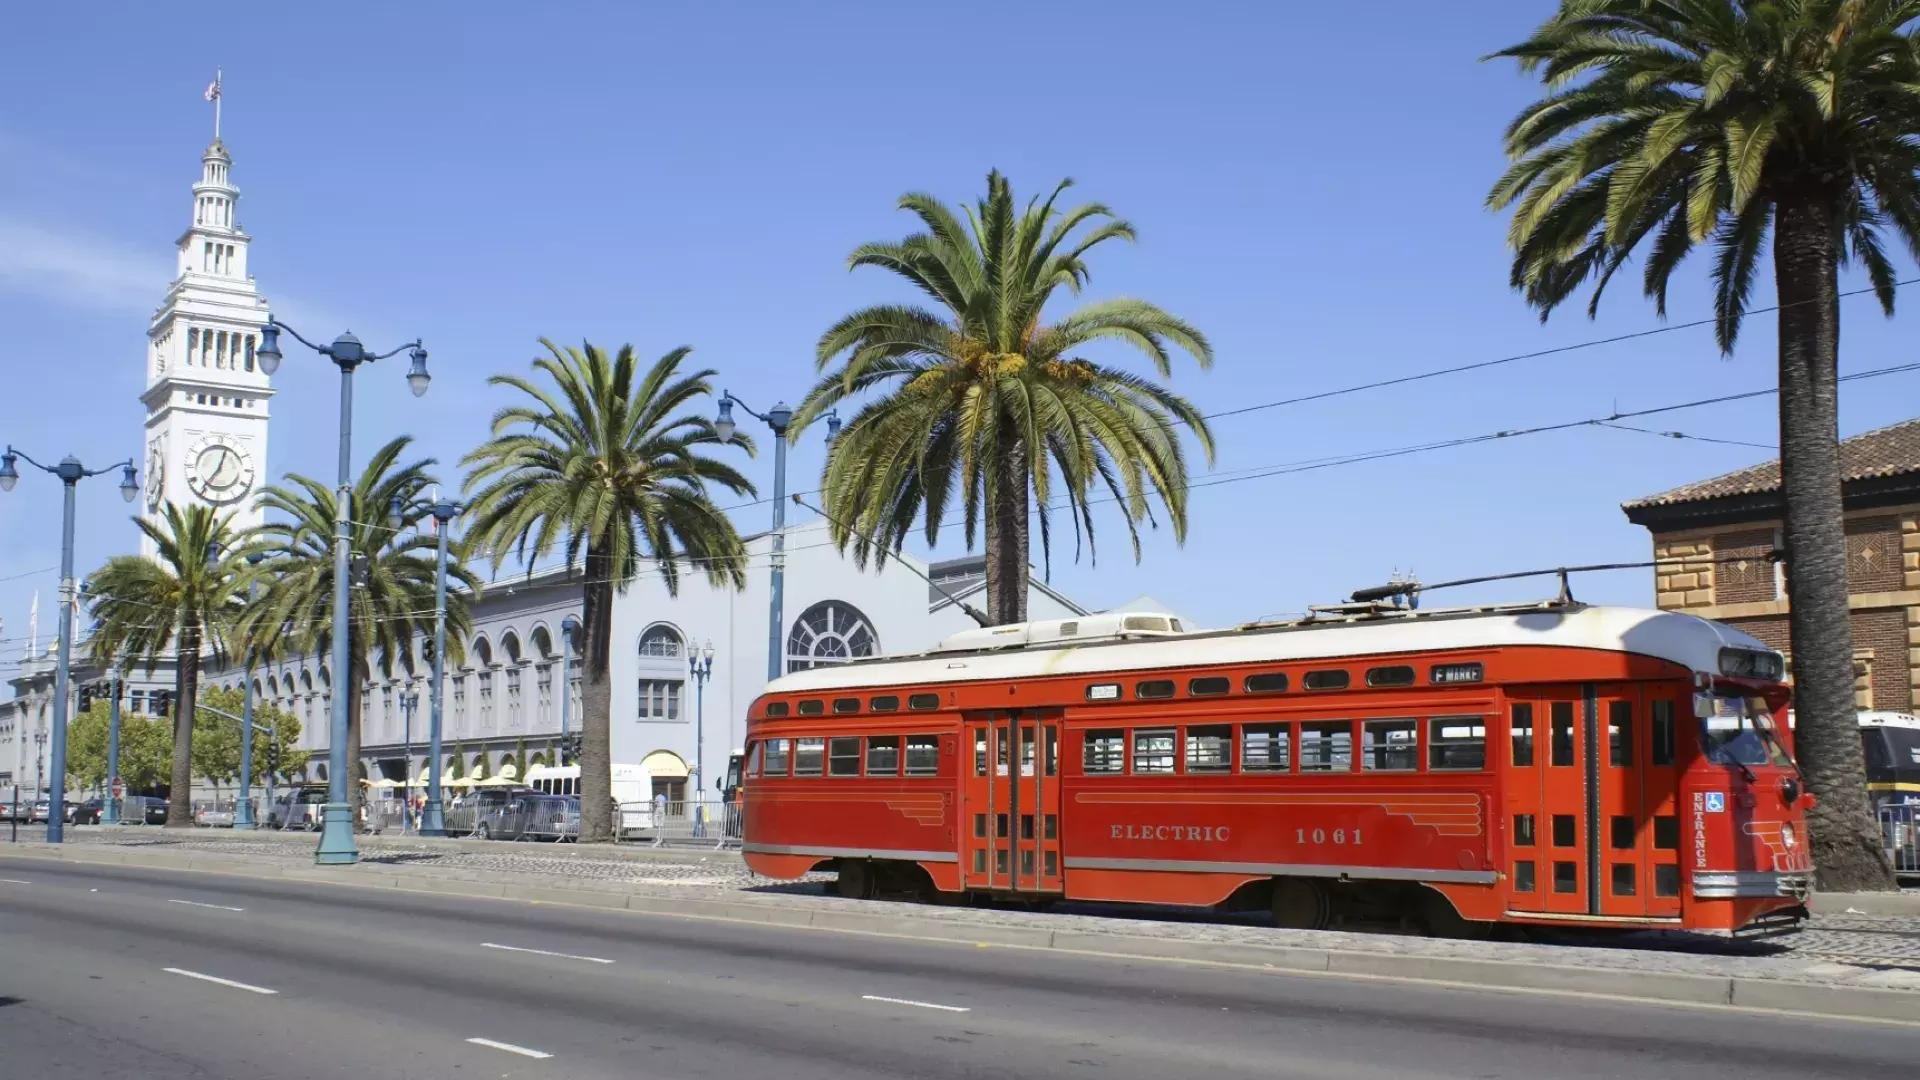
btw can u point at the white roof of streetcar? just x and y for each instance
(1115, 642)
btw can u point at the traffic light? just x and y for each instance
(359, 571)
(160, 703)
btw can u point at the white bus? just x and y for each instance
(632, 791)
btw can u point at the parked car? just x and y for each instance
(532, 816)
(86, 813)
(468, 811)
(214, 817)
(297, 808)
(40, 811)
(143, 810)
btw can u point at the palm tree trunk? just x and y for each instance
(186, 687)
(1845, 840)
(596, 702)
(1007, 540)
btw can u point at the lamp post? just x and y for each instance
(336, 835)
(243, 811)
(433, 820)
(700, 666)
(39, 764)
(112, 812)
(70, 472)
(778, 418)
(569, 626)
(409, 700)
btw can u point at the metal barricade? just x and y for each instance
(1900, 831)
(705, 822)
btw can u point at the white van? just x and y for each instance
(632, 791)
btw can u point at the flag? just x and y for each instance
(213, 90)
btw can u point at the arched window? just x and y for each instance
(830, 632)
(661, 641)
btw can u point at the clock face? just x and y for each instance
(156, 475)
(219, 471)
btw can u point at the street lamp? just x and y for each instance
(112, 803)
(777, 418)
(70, 472)
(346, 352)
(409, 701)
(569, 626)
(700, 666)
(433, 820)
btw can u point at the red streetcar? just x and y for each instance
(1550, 763)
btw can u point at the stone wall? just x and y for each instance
(1683, 574)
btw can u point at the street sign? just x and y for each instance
(118, 789)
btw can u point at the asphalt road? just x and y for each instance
(112, 972)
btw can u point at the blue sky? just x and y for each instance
(1307, 189)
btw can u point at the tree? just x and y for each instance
(216, 739)
(179, 602)
(391, 599)
(603, 460)
(1694, 121)
(146, 749)
(986, 398)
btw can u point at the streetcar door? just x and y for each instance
(1638, 799)
(1551, 767)
(1012, 802)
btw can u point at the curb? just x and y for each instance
(1711, 991)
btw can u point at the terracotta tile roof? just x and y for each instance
(1885, 451)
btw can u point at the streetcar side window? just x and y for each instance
(1326, 746)
(753, 760)
(846, 705)
(1660, 735)
(777, 757)
(1561, 720)
(1457, 742)
(809, 756)
(1153, 688)
(1390, 745)
(843, 756)
(923, 701)
(1522, 736)
(1208, 687)
(1209, 749)
(883, 755)
(1265, 747)
(923, 755)
(776, 708)
(884, 703)
(1327, 679)
(1620, 734)
(1104, 752)
(1153, 751)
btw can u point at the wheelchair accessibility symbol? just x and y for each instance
(1716, 802)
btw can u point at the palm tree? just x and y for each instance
(389, 603)
(1693, 121)
(182, 599)
(602, 461)
(985, 397)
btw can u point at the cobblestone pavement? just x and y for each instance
(1853, 949)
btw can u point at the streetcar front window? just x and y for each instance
(1739, 730)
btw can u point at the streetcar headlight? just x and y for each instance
(1787, 837)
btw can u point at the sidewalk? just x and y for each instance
(1847, 965)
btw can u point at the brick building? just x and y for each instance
(1737, 517)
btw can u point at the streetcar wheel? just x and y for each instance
(1443, 921)
(1300, 904)
(856, 881)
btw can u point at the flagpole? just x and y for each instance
(216, 102)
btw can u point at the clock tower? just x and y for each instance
(206, 397)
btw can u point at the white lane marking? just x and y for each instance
(510, 1048)
(15, 881)
(543, 952)
(216, 907)
(216, 979)
(915, 1004)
